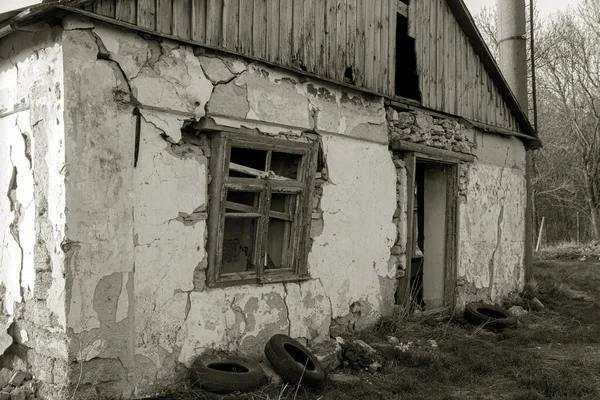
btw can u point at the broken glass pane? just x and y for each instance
(285, 165)
(247, 163)
(238, 245)
(279, 231)
(242, 201)
(282, 202)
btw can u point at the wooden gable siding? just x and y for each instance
(452, 78)
(327, 37)
(322, 37)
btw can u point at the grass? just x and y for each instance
(554, 353)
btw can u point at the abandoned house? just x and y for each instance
(182, 175)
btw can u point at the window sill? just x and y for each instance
(265, 280)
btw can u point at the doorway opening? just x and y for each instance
(431, 241)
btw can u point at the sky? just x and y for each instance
(546, 7)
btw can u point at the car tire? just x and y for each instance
(489, 316)
(294, 362)
(227, 374)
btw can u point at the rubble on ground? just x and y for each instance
(16, 385)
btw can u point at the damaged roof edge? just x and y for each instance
(18, 12)
(467, 22)
(458, 8)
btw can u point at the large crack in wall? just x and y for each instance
(160, 205)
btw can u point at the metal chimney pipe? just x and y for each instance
(512, 46)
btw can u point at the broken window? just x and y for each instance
(407, 78)
(259, 212)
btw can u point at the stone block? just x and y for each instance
(329, 353)
(5, 375)
(18, 394)
(19, 377)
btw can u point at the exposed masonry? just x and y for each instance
(175, 86)
(424, 129)
(227, 85)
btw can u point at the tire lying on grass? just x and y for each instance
(490, 316)
(227, 374)
(294, 362)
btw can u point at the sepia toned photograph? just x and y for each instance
(300, 199)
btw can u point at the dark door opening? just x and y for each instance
(431, 240)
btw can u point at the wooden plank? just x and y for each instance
(231, 24)
(146, 14)
(350, 34)
(460, 64)
(376, 83)
(105, 7)
(440, 154)
(452, 234)
(298, 34)
(439, 93)
(330, 37)
(245, 30)
(322, 34)
(199, 20)
(360, 45)
(218, 163)
(403, 290)
(259, 29)
(286, 14)
(125, 10)
(214, 22)
(181, 19)
(272, 23)
(401, 8)
(310, 49)
(429, 101)
(451, 76)
(384, 45)
(413, 18)
(392, 50)
(164, 16)
(341, 41)
(423, 41)
(446, 54)
(369, 45)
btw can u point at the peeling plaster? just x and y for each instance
(138, 239)
(491, 260)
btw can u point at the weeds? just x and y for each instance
(554, 353)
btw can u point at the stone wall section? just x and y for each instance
(424, 129)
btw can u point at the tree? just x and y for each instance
(568, 74)
(570, 82)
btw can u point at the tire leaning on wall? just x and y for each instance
(294, 362)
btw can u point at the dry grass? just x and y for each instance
(554, 353)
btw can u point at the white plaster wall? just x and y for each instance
(352, 253)
(139, 234)
(32, 256)
(17, 209)
(492, 221)
(31, 80)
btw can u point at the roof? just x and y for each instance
(462, 14)
(17, 11)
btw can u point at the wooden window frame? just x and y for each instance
(302, 187)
